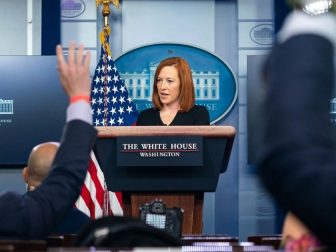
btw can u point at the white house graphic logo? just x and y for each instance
(140, 84)
(215, 84)
(6, 107)
(72, 8)
(262, 34)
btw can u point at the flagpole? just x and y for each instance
(104, 35)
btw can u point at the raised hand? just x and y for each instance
(74, 73)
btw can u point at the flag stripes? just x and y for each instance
(92, 197)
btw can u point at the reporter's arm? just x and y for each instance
(58, 192)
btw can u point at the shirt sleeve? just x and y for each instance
(79, 110)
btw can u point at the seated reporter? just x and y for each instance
(173, 97)
(34, 215)
(37, 169)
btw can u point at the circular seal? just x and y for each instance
(72, 8)
(262, 34)
(214, 82)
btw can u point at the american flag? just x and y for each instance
(111, 106)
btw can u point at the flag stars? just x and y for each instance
(108, 89)
(121, 110)
(115, 89)
(120, 120)
(111, 122)
(96, 122)
(113, 111)
(115, 78)
(114, 99)
(109, 97)
(122, 89)
(129, 109)
(122, 99)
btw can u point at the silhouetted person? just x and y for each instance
(298, 155)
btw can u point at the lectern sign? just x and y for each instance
(160, 151)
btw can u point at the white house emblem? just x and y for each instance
(215, 84)
(6, 107)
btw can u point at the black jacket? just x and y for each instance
(298, 155)
(34, 215)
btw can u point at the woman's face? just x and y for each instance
(168, 85)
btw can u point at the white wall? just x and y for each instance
(19, 27)
(257, 213)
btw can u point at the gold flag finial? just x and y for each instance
(104, 34)
(106, 7)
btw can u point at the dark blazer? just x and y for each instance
(72, 223)
(298, 155)
(34, 215)
(198, 115)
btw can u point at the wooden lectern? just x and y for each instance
(177, 185)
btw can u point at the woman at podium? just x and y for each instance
(173, 97)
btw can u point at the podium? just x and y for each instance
(176, 164)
